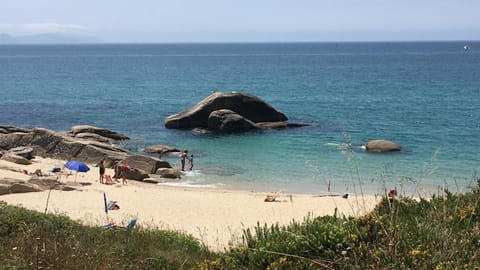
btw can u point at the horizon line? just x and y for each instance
(235, 42)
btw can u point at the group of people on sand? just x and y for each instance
(119, 172)
(184, 157)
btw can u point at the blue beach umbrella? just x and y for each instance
(76, 165)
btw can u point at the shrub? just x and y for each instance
(34, 240)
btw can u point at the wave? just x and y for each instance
(190, 185)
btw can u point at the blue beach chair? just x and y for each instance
(132, 223)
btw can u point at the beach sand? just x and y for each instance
(216, 217)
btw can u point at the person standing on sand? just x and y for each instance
(124, 173)
(183, 157)
(101, 167)
(191, 162)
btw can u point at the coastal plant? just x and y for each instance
(442, 232)
(421, 234)
(36, 240)
(346, 150)
(399, 233)
(313, 243)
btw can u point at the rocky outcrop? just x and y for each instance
(75, 131)
(9, 156)
(147, 164)
(381, 146)
(139, 167)
(58, 145)
(246, 105)
(276, 125)
(160, 149)
(136, 174)
(157, 179)
(93, 137)
(9, 186)
(12, 129)
(169, 173)
(47, 143)
(26, 152)
(227, 121)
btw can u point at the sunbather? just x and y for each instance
(109, 180)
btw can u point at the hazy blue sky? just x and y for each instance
(245, 20)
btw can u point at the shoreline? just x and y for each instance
(216, 217)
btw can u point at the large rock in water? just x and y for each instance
(147, 164)
(278, 125)
(382, 146)
(226, 121)
(142, 166)
(160, 149)
(246, 105)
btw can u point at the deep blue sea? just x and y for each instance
(424, 96)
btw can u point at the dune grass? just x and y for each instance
(32, 240)
(400, 233)
(442, 232)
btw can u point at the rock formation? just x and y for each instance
(8, 186)
(90, 132)
(12, 157)
(26, 152)
(47, 143)
(275, 125)
(169, 173)
(160, 149)
(380, 146)
(225, 120)
(142, 166)
(249, 107)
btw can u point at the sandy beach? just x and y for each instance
(216, 217)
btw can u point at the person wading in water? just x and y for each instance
(183, 157)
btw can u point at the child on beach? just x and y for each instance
(124, 173)
(191, 162)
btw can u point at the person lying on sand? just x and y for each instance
(270, 198)
(37, 172)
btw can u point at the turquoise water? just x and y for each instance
(424, 96)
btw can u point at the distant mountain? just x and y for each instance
(6, 39)
(46, 38)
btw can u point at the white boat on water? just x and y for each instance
(466, 47)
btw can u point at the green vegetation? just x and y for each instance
(400, 233)
(32, 240)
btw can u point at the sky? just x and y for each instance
(150, 21)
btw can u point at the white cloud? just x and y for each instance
(37, 28)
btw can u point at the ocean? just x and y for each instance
(424, 96)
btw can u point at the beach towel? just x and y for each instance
(112, 205)
(112, 224)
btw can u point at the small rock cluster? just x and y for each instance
(8, 186)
